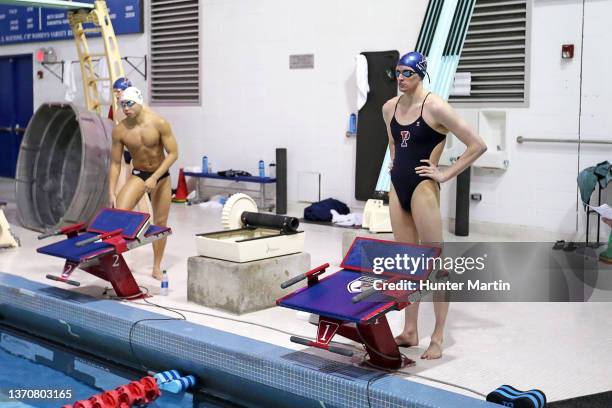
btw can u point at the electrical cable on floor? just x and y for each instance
(230, 319)
(146, 292)
(372, 380)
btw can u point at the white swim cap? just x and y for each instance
(132, 94)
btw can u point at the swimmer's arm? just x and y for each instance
(169, 143)
(116, 155)
(387, 111)
(451, 120)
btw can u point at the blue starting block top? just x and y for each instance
(107, 220)
(332, 296)
(377, 256)
(112, 219)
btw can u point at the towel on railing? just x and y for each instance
(589, 177)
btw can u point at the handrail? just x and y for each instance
(521, 139)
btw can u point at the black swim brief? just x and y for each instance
(144, 175)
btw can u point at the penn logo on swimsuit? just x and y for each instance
(405, 138)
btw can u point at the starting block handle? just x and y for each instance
(312, 273)
(300, 340)
(333, 349)
(98, 237)
(363, 295)
(69, 230)
(88, 240)
(48, 234)
(340, 350)
(68, 281)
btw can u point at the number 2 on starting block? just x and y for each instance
(327, 330)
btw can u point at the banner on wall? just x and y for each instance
(20, 24)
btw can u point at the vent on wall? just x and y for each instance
(175, 51)
(494, 55)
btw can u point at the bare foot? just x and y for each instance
(409, 339)
(434, 350)
(157, 274)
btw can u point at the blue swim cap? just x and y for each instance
(416, 61)
(122, 84)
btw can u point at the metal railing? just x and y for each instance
(521, 139)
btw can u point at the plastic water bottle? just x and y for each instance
(272, 170)
(205, 164)
(262, 169)
(164, 284)
(353, 124)
(180, 385)
(167, 376)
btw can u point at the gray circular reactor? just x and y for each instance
(62, 168)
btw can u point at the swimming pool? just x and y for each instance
(36, 373)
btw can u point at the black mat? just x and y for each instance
(372, 138)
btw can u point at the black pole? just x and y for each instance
(462, 210)
(281, 181)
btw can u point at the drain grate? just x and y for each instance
(329, 367)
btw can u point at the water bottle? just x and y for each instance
(205, 164)
(262, 169)
(167, 376)
(164, 284)
(180, 385)
(353, 124)
(272, 170)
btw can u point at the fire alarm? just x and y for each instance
(40, 55)
(567, 51)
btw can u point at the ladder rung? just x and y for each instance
(100, 79)
(94, 55)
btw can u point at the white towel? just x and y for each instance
(462, 84)
(346, 220)
(361, 76)
(69, 81)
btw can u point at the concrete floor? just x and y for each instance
(564, 349)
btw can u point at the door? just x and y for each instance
(16, 105)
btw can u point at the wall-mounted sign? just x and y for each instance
(20, 24)
(301, 61)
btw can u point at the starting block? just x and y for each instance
(98, 248)
(348, 304)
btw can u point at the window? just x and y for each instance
(175, 52)
(493, 62)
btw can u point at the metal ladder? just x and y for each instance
(100, 19)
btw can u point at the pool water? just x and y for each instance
(63, 377)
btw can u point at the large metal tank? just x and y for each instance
(62, 169)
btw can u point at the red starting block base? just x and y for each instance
(376, 338)
(112, 268)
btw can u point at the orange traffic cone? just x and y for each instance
(181, 190)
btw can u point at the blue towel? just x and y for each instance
(589, 177)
